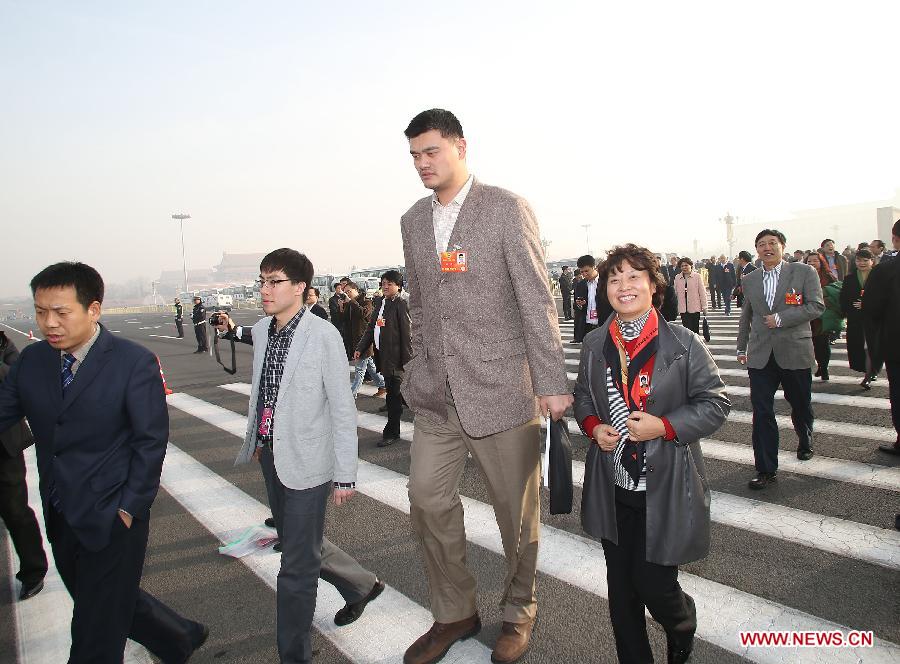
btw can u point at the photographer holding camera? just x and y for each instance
(311, 404)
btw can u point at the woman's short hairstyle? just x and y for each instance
(640, 258)
(864, 253)
(682, 261)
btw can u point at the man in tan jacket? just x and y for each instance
(482, 370)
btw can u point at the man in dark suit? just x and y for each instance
(671, 270)
(179, 318)
(880, 300)
(312, 301)
(715, 271)
(565, 289)
(775, 342)
(389, 330)
(726, 282)
(591, 306)
(96, 405)
(745, 267)
(14, 510)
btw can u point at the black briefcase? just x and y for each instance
(705, 329)
(560, 472)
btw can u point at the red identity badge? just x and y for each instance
(265, 421)
(380, 322)
(454, 261)
(592, 316)
(793, 297)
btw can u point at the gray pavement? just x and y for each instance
(755, 572)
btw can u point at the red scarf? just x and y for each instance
(635, 377)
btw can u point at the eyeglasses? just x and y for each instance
(271, 283)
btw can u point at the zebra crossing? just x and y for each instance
(818, 553)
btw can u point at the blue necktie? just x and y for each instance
(66, 375)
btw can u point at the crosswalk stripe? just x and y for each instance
(878, 403)
(840, 536)
(42, 623)
(871, 475)
(722, 611)
(881, 434)
(382, 634)
(835, 380)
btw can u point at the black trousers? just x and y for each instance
(893, 376)
(179, 325)
(109, 605)
(691, 321)
(797, 385)
(200, 333)
(567, 306)
(392, 382)
(716, 297)
(19, 518)
(635, 583)
(822, 350)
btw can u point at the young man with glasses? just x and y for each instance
(302, 429)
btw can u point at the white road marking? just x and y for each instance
(384, 631)
(24, 334)
(163, 336)
(722, 611)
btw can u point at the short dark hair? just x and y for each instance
(687, 260)
(394, 277)
(586, 260)
(296, 266)
(86, 280)
(862, 245)
(771, 231)
(746, 256)
(877, 243)
(352, 284)
(435, 118)
(314, 290)
(864, 253)
(895, 231)
(828, 239)
(565, 267)
(640, 258)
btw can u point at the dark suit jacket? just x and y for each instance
(726, 277)
(17, 437)
(319, 311)
(670, 272)
(565, 285)
(604, 309)
(394, 339)
(103, 444)
(882, 293)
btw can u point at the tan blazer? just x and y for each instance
(493, 331)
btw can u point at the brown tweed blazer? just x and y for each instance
(492, 332)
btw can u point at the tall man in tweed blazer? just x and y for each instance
(481, 371)
(775, 342)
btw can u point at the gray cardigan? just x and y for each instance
(315, 418)
(687, 389)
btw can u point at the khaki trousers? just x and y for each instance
(510, 463)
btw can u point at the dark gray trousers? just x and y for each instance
(338, 568)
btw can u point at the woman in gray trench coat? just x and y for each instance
(647, 392)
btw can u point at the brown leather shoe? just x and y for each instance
(512, 643)
(434, 644)
(381, 393)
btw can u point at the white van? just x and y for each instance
(218, 302)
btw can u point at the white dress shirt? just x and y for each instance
(444, 216)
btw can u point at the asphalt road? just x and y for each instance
(782, 558)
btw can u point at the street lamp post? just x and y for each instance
(181, 217)
(587, 237)
(728, 220)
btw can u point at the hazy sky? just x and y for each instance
(280, 123)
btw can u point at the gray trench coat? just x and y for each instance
(686, 388)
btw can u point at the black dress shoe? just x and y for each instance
(890, 449)
(351, 612)
(270, 522)
(31, 589)
(387, 442)
(804, 455)
(679, 654)
(277, 546)
(865, 383)
(201, 636)
(824, 375)
(762, 480)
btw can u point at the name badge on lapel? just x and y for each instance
(379, 322)
(454, 261)
(793, 297)
(265, 421)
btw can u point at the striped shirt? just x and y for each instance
(444, 216)
(619, 412)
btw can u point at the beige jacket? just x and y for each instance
(493, 331)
